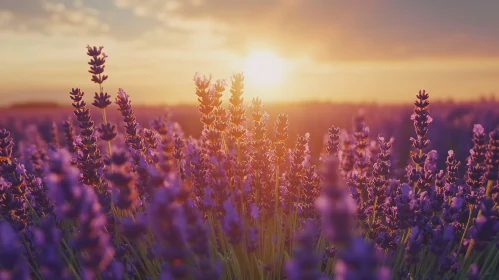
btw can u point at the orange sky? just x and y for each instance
(375, 50)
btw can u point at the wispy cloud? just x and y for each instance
(341, 30)
(52, 17)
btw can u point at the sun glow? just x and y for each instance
(262, 67)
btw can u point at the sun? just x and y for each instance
(262, 67)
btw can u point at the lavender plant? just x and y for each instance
(240, 202)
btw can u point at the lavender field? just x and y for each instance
(103, 189)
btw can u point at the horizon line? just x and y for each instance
(55, 104)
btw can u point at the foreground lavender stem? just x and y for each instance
(336, 206)
(79, 202)
(47, 239)
(358, 259)
(123, 182)
(304, 263)
(12, 262)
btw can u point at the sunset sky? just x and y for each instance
(375, 50)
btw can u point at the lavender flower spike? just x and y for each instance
(97, 64)
(76, 201)
(360, 260)
(123, 182)
(47, 240)
(304, 263)
(336, 205)
(12, 263)
(63, 186)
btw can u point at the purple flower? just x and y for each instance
(333, 142)
(101, 100)
(133, 229)
(47, 240)
(414, 246)
(252, 240)
(281, 135)
(476, 167)
(122, 180)
(473, 273)
(63, 186)
(6, 145)
(431, 162)
(422, 120)
(76, 201)
(360, 260)
(232, 223)
(336, 206)
(69, 133)
(92, 240)
(89, 157)
(133, 139)
(485, 227)
(98, 58)
(168, 224)
(13, 207)
(492, 156)
(38, 194)
(12, 263)
(304, 262)
(107, 131)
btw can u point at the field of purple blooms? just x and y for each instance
(235, 196)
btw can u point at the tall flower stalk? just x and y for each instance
(421, 118)
(101, 99)
(89, 158)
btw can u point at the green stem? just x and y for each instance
(465, 229)
(69, 264)
(472, 242)
(374, 212)
(493, 264)
(37, 274)
(32, 258)
(109, 150)
(70, 252)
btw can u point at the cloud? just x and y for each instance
(5, 17)
(371, 30)
(324, 29)
(52, 17)
(339, 30)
